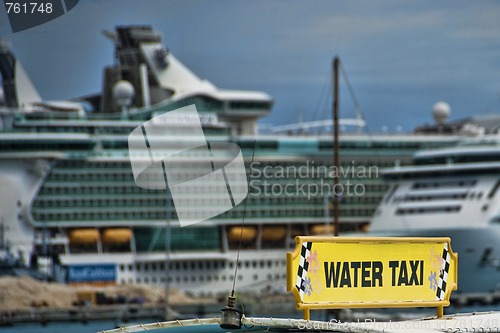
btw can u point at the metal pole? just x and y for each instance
(168, 265)
(336, 162)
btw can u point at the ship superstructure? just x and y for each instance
(452, 192)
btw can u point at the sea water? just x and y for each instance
(69, 327)
(101, 325)
(91, 327)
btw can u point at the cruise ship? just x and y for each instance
(71, 207)
(452, 192)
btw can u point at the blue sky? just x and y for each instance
(401, 56)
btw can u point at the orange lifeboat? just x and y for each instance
(322, 229)
(83, 236)
(116, 235)
(273, 233)
(247, 234)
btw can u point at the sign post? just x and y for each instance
(371, 272)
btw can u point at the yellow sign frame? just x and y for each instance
(359, 272)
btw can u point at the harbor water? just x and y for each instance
(358, 315)
(60, 327)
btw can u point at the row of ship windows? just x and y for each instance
(98, 216)
(163, 206)
(428, 210)
(261, 190)
(62, 171)
(447, 184)
(92, 176)
(112, 186)
(317, 166)
(383, 144)
(93, 203)
(197, 278)
(86, 188)
(161, 215)
(125, 166)
(81, 165)
(200, 265)
(413, 198)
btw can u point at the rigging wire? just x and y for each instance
(322, 100)
(243, 220)
(357, 109)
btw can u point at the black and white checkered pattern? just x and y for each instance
(305, 251)
(443, 277)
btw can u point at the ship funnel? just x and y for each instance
(19, 92)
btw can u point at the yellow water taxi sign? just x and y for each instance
(347, 272)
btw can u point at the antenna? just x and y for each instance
(230, 316)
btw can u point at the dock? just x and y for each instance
(124, 314)
(82, 314)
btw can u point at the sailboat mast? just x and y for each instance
(336, 163)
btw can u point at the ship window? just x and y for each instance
(428, 210)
